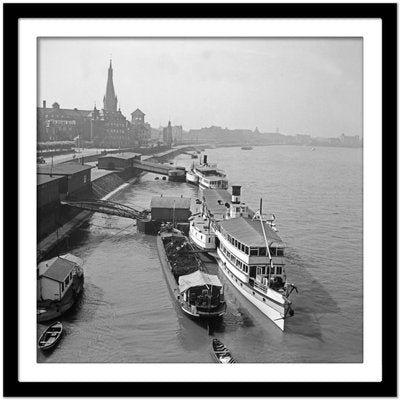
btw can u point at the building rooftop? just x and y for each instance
(122, 156)
(138, 112)
(66, 112)
(170, 202)
(42, 179)
(69, 168)
(250, 232)
(59, 270)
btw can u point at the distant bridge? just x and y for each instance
(107, 207)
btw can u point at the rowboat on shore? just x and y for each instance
(51, 336)
(221, 353)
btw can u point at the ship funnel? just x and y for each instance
(205, 159)
(236, 194)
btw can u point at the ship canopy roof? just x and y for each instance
(249, 232)
(59, 269)
(197, 278)
(203, 168)
(62, 263)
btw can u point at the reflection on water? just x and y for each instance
(127, 314)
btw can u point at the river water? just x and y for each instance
(127, 314)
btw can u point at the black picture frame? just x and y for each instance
(13, 387)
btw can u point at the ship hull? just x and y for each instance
(202, 243)
(268, 307)
(57, 308)
(192, 178)
(207, 185)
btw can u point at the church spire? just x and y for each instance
(110, 99)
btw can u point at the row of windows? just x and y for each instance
(63, 128)
(242, 247)
(201, 236)
(61, 122)
(214, 183)
(239, 264)
(66, 282)
(269, 270)
(253, 251)
(242, 209)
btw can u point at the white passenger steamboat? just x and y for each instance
(249, 252)
(207, 175)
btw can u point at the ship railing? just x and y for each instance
(258, 285)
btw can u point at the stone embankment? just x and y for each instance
(103, 187)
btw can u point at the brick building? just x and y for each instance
(139, 129)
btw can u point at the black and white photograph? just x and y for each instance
(195, 192)
(200, 200)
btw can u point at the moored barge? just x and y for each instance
(200, 295)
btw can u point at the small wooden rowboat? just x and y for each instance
(51, 336)
(221, 353)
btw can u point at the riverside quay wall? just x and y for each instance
(55, 222)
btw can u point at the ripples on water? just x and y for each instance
(126, 313)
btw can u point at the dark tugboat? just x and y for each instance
(199, 294)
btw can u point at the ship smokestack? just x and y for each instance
(205, 159)
(236, 194)
(44, 103)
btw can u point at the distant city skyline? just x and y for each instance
(301, 86)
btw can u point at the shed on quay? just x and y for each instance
(48, 190)
(169, 208)
(77, 175)
(118, 161)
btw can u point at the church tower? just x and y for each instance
(110, 99)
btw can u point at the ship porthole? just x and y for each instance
(263, 299)
(254, 294)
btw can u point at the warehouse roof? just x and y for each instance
(250, 232)
(62, 169)
(169, 202)
(42, 179)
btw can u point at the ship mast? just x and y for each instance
(266, 242)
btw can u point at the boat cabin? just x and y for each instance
(54, 278)
(241, 241)
(201, 290)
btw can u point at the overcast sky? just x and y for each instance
(308, 86)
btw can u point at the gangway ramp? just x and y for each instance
(173, 172)
(156, 168)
